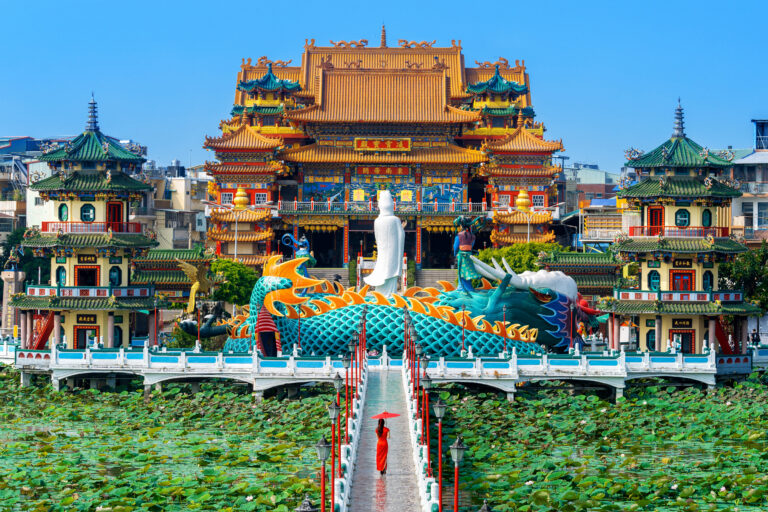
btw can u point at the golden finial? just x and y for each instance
(523, 202)
(241, 199)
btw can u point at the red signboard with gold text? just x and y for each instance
(384, 171)
(380, 144)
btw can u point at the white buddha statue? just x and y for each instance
(390, 240)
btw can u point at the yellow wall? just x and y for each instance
(103, 264)
(75, 205)
(69, 321)
(720, 218)
(700, 324)
(665, 267)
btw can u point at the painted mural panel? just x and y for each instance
(444, 189)
(320, 187)
(367, 186)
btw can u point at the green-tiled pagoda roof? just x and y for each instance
(557, 258)
(257, 109)
(170, 255)
(269, 83)
(680, 245)
(89, 240)
(679, 152)
(160, 277)
(684, 308)
(75, 303)
(497, 84)
(90, 182)
(681, 187)
(92, 146)
(603, 281)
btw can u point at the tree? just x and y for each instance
(238, 284)
(27, 262)
(748, 272)
(521, 257)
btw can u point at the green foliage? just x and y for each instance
(521, 257)
(658, 449)
(180, 339)
(212, 450)
(28, 263)
(239, 281)
(352, 271)
(411, 273)
(749, 272)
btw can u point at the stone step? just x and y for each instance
(430, 277)
(330, 274)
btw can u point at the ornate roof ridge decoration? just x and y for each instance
(314, 153)
(497, 84)
(252, 259)
(197, 253)
(244, 138)
(226, 215)
(683, 187)
(351, 95)
(519, 238)
(362, 43)
(268, 83)
(522, 140)
(270, 167)
(257, 109)
(224, 235)
(502, 63)
(90, 181)
(516, 217)
(404, 43)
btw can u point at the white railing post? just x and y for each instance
(183, 360)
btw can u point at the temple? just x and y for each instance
(309, 146)
(678, 225)
(90, 243)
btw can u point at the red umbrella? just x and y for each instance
(384, 416)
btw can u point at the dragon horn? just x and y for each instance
(496, 265)
(506, 266)
(486, 270)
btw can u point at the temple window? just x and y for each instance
(115, 276)
(260, 198)
(654, 280)
(706, 218)
(498, 122)
(708, 280)
(63, 213)
(682, 218)
(650, 340)
(537, 200)
(87, 213)
(227, 197)
(61, 276)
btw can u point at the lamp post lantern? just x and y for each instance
(338, 383)
(426, 383)
(306, 506)
(333, 413)
(440, 408)
(457, 453)
(323, 450)
(347, 362)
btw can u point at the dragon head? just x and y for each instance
(279, 284)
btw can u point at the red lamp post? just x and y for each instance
(323, 450)
(463, 321)
(347, 362)
(457, 453)
(426, 383)
(353, 351)
(440, 408)
(338, 383)
(333, 412)
(418, 349)
(504, 322)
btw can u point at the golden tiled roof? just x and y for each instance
(243, 138)
(382, 96)
(226, 235)
(225, 215)
(521, 140)
(253, 260)
(515, 217)
(450, 154)
(249, 168)
(520, 238)
(541, 172)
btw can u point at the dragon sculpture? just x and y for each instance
(528, 311)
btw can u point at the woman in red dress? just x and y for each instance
(382, 447)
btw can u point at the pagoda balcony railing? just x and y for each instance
(89, 291)
(677, 231)
(601, 234)
(91, 227)
(752, 187)
(142, 211)
(679, 295)
(372, 207)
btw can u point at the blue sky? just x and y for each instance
(604, 75)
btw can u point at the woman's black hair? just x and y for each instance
(380, 428)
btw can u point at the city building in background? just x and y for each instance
(750, 169)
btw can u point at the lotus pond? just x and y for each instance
(213, 450)
(658, 449)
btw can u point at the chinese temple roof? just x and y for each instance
(261, 168)
(681, 187)
(449, 154)
(242, 236)
(521, 140)
(520, 238)
(243, 138)
(511, 110)
(592, 281)
(159, 277)
(268, 83)
(257, 109)
(89, 240)
(382, 96)
(680, 245)
(678, 151)
(92, 146)
(682, 308)
(497, 84)
(196, 254)
(226, 215)
(79, 181)
(83, 304)
(516, 217)
(558, 258)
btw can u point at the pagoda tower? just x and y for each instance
(90, 243)
(679, 225)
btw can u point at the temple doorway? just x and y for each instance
(328, 247)
(437, 249)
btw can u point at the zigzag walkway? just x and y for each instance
(397, 490)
